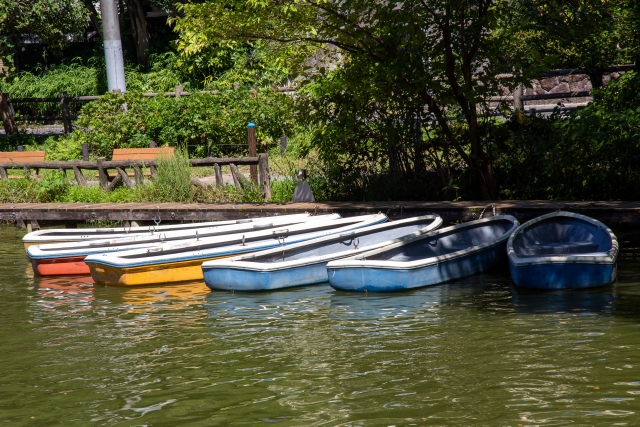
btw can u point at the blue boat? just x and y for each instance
(562, 250)
(305, 263)
(428, 259)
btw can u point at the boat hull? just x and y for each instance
(175, 272)
(60, 266)
(563, 275)
(372, 279)
(230, 279)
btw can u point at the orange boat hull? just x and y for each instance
(60, 266)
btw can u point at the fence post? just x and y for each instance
(21, 148)
(85, 152)
(218, 172)
(251, 136)
(152, 168)
(179, 90)
(265, 179)
(64, 105)
(283, 144)
(6, 113)
(102, 174)
(517, 98)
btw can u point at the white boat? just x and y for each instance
(179, 262)
(67, 258)
(60, 235)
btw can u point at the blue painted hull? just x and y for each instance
(563, 276)
(247, 280)
(374, 279)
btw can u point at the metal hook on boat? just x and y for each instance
(125, 228)
(197, 237)
(356, 242)
(162, 239)
(281, 243)
(151, 231)
(157, 219)
(243, 244)
(494, 209)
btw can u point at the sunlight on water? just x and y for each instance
(472, 352)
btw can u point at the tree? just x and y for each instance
(440, 52)
(141, 36)
(589, 34)
(54, 22)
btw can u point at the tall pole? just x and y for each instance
(112, 45)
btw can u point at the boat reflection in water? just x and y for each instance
(596, 300)
(151, 298)
(423, 303)
(64, 294)
(222, 304)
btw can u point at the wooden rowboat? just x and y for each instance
(180, 262)
(68, 258)
(305, 263)
(562, 250)
(428, 259)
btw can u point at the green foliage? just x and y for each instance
(76, 79)
(173, 183)
(131, 120)
(55, 22)
(592, 34)
(18, 190)
(589, 154)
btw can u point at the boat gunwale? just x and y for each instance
(360, 261)
(75, 234)
(243, 262)
(604, 258)
(99, 259)
(136, 242)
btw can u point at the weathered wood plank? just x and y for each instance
(80, 179)
(265, 178)
(102, 173)
(218, 172)
(125, 178)
(113, 183)
(235, 173)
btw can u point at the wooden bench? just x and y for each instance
(140, 154)
(20, 157)
(124, 154)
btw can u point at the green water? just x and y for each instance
(472, 352)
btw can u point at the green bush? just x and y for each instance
(130, 120)
(18, 190)
(590, 153)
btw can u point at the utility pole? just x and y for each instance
(112, 45)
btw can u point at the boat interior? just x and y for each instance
(561, 236)
(447, 242)
(344, 242)
(278, 236)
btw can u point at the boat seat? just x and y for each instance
(561, 248)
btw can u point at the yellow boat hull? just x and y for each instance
(157, 274)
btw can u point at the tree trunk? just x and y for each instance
(595, 75)
(140, 31)
(487, 188)
(6, 115)
(93, 16)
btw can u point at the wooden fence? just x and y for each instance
(102, 166)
